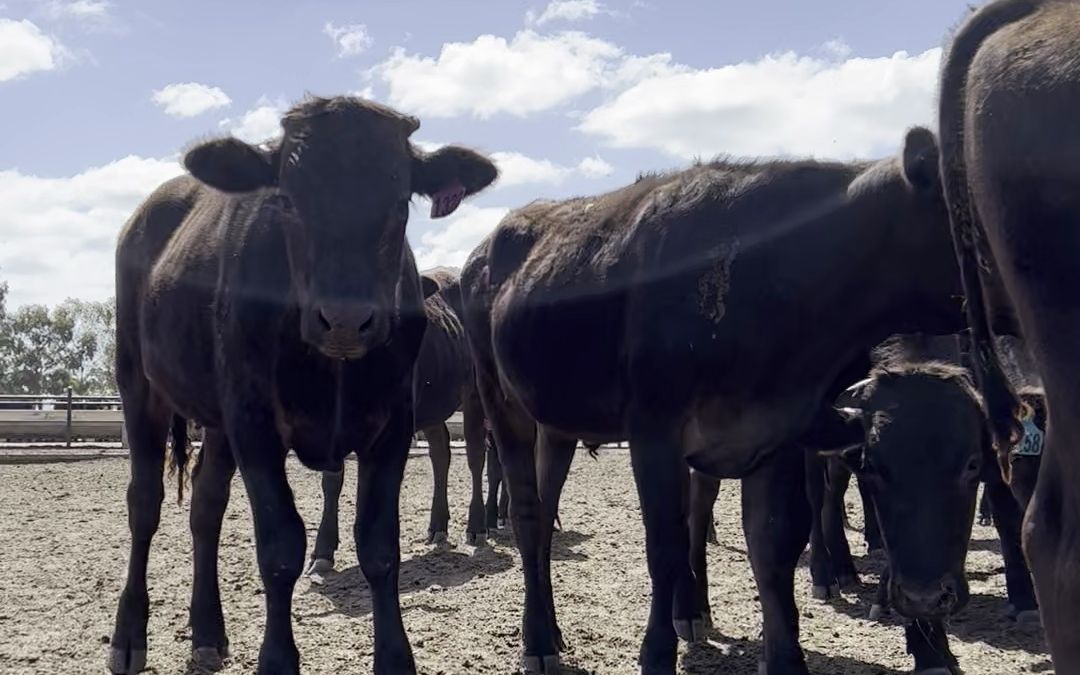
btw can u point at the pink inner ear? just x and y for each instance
(445, 201)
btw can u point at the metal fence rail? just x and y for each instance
(66, 417)
(69, 418)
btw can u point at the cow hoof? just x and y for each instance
(692, 631)
(876, 612)
(209, 658)
(1029, 617)
(318, 570)
(541, 665)
(848, 580)
(934, 671)
(127, 662)
(438, 538)
(825, 592)
(476, 538)
(501, 524)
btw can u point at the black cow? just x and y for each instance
(271, 297)
(678, 313)
(833, 562)
(445, 382)
(925, 448)
(1010, 87)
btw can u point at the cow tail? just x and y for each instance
(1002, 403)
(178, 460)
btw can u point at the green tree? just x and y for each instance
(44, 355)
(44, 351)
(94, 323)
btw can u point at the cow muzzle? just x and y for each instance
(934, 600)
(345, 330)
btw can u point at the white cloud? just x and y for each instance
(24, 49)
(527, 74)
(594, 167)
(58, 235)
(782, 104)
(457, 236)
(566, 10)
(518, 169)
(349, 40)
(837, 48)
(261, 123)
(188, 99)
(78, 9)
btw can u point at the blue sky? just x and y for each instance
(97, 97)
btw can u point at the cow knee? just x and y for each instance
(376, 562)
(281, 553)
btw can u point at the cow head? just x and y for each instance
(342, 177)
(905, 194)
(925, 441)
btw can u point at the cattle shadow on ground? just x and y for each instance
(983, 621)
(434, 571)
(724, 654)
(562, 543)
(993, 545)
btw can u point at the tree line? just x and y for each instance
(45, 350)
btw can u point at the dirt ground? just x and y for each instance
(64, 544)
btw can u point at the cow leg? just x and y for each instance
(1052, 544)
(475, 448)
(703, 493)
(832, 526)
(871, 528)
(929, 645)
(211, 483)
(147, 423)
(776, 523)
(504, 503)
(515, 437)
(881, 600)
(279, 531)
(327, 540)
(986, 512)
(1007, 521)
(495, 520)
(822, 574)
(438, 438)
(378, 539)
(663, 484)
(553, 459)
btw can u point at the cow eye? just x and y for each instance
(973, 468)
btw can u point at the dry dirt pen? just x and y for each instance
(64, 543)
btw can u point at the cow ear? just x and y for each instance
(231, 165)
(452, 168)
(920, 160)
(428, 285)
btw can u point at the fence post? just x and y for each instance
(68, 429)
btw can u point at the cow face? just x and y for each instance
(925, 444)
(342, 178)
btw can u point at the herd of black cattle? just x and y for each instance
(762, 321)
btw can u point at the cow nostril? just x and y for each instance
(366, 322)
(324, 322)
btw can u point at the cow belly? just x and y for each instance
(726, 439)
(562, 361)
